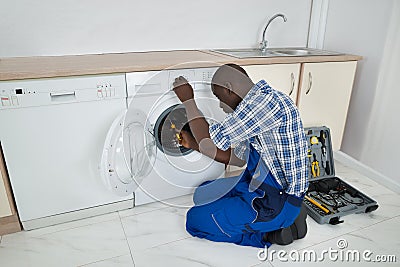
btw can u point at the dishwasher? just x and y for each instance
(52, 134)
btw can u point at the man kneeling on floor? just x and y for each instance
(263, 205)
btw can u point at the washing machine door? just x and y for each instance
(129, 152)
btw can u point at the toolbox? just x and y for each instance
(328, 197)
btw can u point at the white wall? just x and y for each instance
(48, 27)
(370, 28)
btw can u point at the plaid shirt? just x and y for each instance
(270, 121)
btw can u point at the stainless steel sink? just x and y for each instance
(304, 52)
(276, 52)
(246, 52)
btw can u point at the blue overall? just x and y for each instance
(242, 209)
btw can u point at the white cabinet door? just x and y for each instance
(325, 94)
(282, 77)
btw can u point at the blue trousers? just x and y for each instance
(242, 209)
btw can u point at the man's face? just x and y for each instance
(228, 101)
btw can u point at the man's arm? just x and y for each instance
(206, 146)
(199, 127)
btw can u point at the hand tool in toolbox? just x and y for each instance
(328, 197)
(315, 167)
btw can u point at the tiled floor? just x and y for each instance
(153, 235)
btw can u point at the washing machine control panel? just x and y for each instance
(160, 82)
(188, 74)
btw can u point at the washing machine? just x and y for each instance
(141, 152)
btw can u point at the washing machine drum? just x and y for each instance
(167, 129)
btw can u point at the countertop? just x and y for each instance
(17, 68)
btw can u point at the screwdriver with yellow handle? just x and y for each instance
(317, 204)
(178, 135)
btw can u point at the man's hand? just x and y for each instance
(187, 140)
(183, 89)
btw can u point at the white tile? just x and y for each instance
(154, 228)
(63, 226)
(389, 207)
(381, 239)
(388, 201)
(179, 202)
(120, 261)
(140, 209)
(353, 177)
(197, 252)
(263, 264)
(157, 236)
(77, 246)
(318, 233)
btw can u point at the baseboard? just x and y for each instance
(9, 225)
(77, 215)
(367, 171)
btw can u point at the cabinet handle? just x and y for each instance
(309, 83)
(292, 80)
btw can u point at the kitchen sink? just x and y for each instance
(275, 52)
(304, 52)
(246, 52)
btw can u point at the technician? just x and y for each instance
(263, 129)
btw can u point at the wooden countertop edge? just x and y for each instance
(287, 59)
(19, 68)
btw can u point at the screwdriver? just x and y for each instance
(317, 204)
(322, 140)
(178, 135)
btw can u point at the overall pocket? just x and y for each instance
(270, 205)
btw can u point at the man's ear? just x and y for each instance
(228, 86)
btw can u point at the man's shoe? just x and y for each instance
(281, 237)
(285, 236)
(299, 227)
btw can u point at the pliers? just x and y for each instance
(315, 167)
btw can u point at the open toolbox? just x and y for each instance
(328, 197)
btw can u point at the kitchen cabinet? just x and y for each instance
(324, 96)
(9, 222)
(282, 77)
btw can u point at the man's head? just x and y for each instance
(230, 84)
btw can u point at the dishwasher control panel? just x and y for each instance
(39, 92)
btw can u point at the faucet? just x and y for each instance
(264, 43)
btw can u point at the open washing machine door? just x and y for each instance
(129, 153)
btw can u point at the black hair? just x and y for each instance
(236, 67)
(225, 67)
